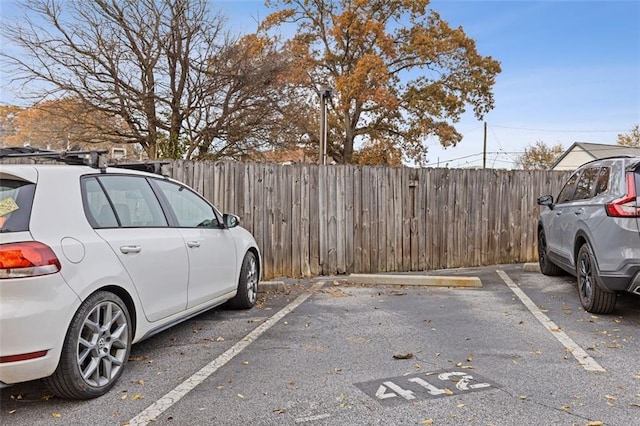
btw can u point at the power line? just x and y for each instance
(558, 131)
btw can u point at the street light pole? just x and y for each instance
(324, 96)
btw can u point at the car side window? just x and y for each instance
(190, 209)
(566, 194)
(122, 201)
(602, 183)
(586, 184)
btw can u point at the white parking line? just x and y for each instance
(152, 412)
(587, 362)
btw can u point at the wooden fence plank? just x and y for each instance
(311, 220)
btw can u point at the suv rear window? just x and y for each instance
(16, 199)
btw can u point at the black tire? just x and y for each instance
(96, 348)
(547, 267)
(592, 297)
(247, 293)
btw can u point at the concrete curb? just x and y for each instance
(415, 280)
(272, 287)
(531, 267)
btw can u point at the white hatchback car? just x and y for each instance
(93, 259)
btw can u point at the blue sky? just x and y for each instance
(570, 71)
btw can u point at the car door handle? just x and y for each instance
(130, 249)
(579, 212)
(193, 244)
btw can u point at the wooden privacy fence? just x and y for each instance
(324, 220)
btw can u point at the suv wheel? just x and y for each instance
(546, 266)
(95, 349)
(592, 297)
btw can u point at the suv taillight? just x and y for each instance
(627, 205)
(27, 259)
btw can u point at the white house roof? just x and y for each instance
(582, 152)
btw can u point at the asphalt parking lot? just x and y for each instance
(518, 350)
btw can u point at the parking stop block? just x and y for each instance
(415, 280)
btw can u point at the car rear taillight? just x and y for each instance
(626, 206)
(27, 259)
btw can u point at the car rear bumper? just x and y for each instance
(626, 279)
(34, 317)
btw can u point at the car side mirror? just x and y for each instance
(546, 200)
(230, 220)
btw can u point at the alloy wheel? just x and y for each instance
(252, 280)
(585, 277)
(102, 344)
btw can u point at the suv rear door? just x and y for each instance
(581, 208)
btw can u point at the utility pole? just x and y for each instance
(484, 150)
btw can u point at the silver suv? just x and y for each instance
(592, 231)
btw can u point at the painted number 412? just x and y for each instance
(389, 389)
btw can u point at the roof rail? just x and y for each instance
(146, 166)
(92, 158)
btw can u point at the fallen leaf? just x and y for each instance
(448, 391)
(241, 396)
(458, 364)
(47, 397)
(636, 376)
(245, 362)
(610, 397)
(123, 397)
(11, 412)
(56, 415)
(427, 422)
(138, 358)
(555, 329)
(538, 352)
(140, 382)
(595, 423)
(470, 358)
(137, 396)
(523, 397)
(403, 356)
(565, 407)
(280, 410)
(220, 339)
(460, 405)
(634, 404)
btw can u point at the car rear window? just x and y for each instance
(16, 199)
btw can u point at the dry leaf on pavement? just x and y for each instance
(403, 356)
